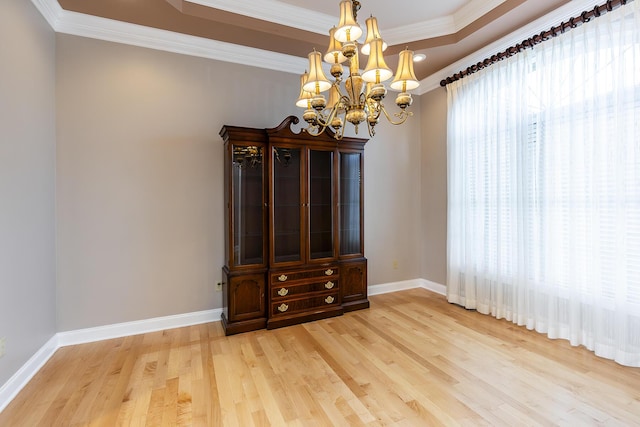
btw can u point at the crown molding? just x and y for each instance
(421, 30)
(79, 24)
(443, 26)
(50, 10)
(573, 8)
(298, 17)
(276, 12)
(472, 11)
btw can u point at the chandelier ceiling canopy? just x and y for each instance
(359, 97)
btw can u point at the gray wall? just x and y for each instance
(27, 183)
(140, 179)
(433, 239)
(392, 199)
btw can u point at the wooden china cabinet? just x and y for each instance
(294, 221)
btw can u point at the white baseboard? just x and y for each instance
(12, 387)
(407, 284)
(118, 330)
(433, 287)
(386, 288)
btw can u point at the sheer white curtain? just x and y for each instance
(544, 187)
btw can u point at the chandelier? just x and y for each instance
(360, 98)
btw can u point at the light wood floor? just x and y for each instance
(411, 360)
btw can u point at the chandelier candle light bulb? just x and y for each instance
(357, 98)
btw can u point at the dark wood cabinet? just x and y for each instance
(245, 296)
(294, 221)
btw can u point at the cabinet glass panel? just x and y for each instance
(286, 204)
(350, 197)
(320, 204)
(248, 213)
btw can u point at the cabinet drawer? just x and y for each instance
(288, 306)
(284, 290)
(291, 276)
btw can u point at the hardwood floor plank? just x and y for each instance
(412, 359)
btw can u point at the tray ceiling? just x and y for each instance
(288, 29)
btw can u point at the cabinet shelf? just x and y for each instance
(256, 234)
(286, 233)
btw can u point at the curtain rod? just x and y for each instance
(585, 16)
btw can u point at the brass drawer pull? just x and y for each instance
(282, 278)
(329, 272)
(283, 307)
(329, 299)
(283, 292)
(329, 285)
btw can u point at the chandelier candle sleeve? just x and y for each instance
(377, 70)
(316, 81)
(334, 51)
(372, 33)
(348, 29)
(334, 55)
(305, 97)
(405, 78)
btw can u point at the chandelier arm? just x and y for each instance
(325, 118)
(322, 120)
(332, 114)
(323, 123)
(316, 130)
(402, 115)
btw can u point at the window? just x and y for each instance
(544, 187)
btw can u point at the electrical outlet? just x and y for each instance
(219, 287)
(395, 264)
(2, 346)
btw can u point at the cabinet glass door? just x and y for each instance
(248, 205)
(287, 203)
(350, 203)
(320, 204)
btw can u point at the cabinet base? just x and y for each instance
(355, 305)
(231, 328)
(280, 322)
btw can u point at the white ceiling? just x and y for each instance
(400, 21)
(392, 14)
